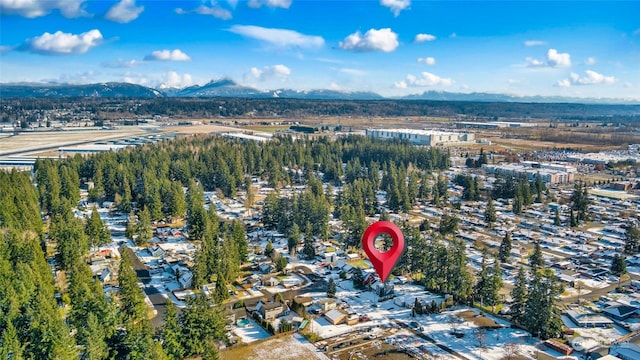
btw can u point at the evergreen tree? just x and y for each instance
(132, 305)
(144, 231)
(294, 239)
(618, 265)
(358, 279)
(171, 333)
(489, 282)
(541, 315)
(71, 241)
(177, 206)
(308, 249)
(240, 240)
(97, 232)
(580, 203)
(504, 253)
(417, 307)
(519, 296)
(196, 214)
(281, 263)
(200, 322)
(490, 213)
(556, 218)
(10, 347)
(448, 224)
(536, 260)
(268, 250)
(632, 239)
(331, 288)
(221, 291)
(96, 347)
(517, 204)
(210, 351)
(132, 225)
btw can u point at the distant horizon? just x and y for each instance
(414, 96)
(393, 48)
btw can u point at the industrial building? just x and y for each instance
(422, 137)
(550, 173)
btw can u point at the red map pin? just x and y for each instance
(383, 262)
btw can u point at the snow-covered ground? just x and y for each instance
(603, 335)
(251, 332)
(439, 327)
(475, 344)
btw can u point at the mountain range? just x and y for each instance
(229, 88)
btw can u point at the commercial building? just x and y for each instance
(422, 137)
(550, 173)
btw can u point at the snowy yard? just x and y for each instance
(251, 332)
(602, 335)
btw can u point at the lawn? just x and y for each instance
(359, 263)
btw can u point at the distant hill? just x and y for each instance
(488, 97)
(227, 88)
(216, 88)
(110, 89)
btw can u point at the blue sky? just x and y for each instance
(392, 47)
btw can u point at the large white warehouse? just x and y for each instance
(422, 137)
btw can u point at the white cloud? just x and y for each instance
(334, 86)
(590, 61)
(373, 40)
(354, 72)
(77, 78)
(125, 11)
(122, 64)
(60, 43)
(531, 62)
(4, 49)
(556, 59)
(268, 73)
(428, 60)
(628, 85)
(423, 37)
(534, 43)
(636, 32)
(37, 8)
(278, 37)
(453, 35)
(214, 10)
(425, 79)
(284, 4)
(396, 6)
(591, 78)
(172, 79)
(168, 55)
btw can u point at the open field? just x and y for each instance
(197, 129)
(42, 140)
(283, 348)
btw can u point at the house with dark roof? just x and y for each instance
(271, 310)
(621, 312)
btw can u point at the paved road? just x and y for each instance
(157, 299)
(596, 293)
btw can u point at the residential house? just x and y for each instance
(621, 312)
(271, 310)
(586, 318)
(327, 304)
(625, 351)
(335, 316)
